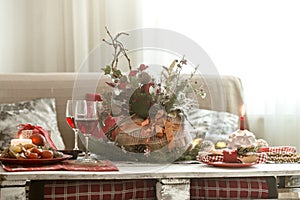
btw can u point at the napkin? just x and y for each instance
(262, 158)
(68, 165)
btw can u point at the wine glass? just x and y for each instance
(86, 120)
(70, 112)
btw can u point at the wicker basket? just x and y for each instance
(130, 137)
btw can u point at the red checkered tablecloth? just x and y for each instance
(202, 188)
(100, 190)
(210, 188)
(229, 188)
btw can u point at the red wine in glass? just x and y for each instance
(71, 122)
(70, 112)
(86, 119)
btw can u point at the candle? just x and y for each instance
(20, 141)
(242, 123)
(242, 119)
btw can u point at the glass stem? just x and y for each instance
(86, 156)
(76, 140)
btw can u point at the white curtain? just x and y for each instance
(257, 41)
(57, 35)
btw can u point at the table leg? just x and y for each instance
(173, 189)
(13, 190)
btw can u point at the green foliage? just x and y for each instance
(190, 154)
(107, 70)
(116, 73)
(243, 150)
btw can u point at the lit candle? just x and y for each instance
(20, 141)
(242, 119)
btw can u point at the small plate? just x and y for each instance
(230, 165)
(33, 161)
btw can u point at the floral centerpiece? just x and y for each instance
(144, 113)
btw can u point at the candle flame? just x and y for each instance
(243, 111)
(20, 137)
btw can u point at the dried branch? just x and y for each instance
(118, 49)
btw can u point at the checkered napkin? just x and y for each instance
(282, 149)
(117, 189)
(64, 165)
(229, 188)
(262, 158)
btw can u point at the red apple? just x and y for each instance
(38, 139)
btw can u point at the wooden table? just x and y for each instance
(169, 176)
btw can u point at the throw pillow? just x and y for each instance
(213, 125)
(40, 112)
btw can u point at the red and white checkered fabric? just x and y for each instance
(100, 190)
(282, 149)
(262, 158)
(229, 188)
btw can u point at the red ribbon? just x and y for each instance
(38, 130)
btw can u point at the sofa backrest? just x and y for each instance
(224, 93)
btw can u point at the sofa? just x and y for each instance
(224, 93)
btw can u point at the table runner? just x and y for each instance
(64, 165)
